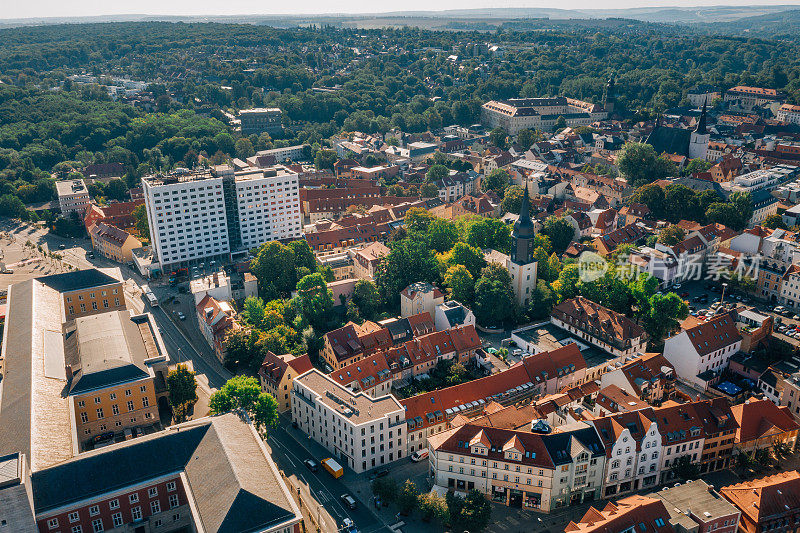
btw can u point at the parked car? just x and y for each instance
(348, 526)
(181, 316)
(311, 465)
(348, 500)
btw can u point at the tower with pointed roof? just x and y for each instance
(609, 99)
(698, 141)
(520, 264)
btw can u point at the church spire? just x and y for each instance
(524, 210)
(701, 124)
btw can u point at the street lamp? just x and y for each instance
(722, 298)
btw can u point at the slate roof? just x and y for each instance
(234, 485)
(106, 349)
(77, 280)
(670, 140)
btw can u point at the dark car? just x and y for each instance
(348, 500)
(311, 465)
(379, 473)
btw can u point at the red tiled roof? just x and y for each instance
(767, 497)
(715, 334)
(587, 314)
(761, 418)
(626, 514)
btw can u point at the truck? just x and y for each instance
(148, 294)
(333, 468)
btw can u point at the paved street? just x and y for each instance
(291, 447)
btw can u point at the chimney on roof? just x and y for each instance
(68, 372)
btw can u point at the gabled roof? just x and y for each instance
(274, 366)
(232, 481)
(761, 418)
(604, 322)
(77, 280)
(715, 334)
(766, 497)
(634, 513)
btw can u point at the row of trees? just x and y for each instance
(471, 513)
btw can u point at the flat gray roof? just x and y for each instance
(359, 408)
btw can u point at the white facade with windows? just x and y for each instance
(190, 220)
(187, 218)
(269, 207)
(360, 431)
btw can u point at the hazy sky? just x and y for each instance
(61, 8)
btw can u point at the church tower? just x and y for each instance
(520, 263)
(608, 96)
(698, 141)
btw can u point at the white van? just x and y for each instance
(420, 455)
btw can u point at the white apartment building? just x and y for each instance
(268, 206)
(789, 113)
(634, 453)
(701, 352)
(73, 197)
(361, 431)
(293, 153)
(213, 214)
(520, 468)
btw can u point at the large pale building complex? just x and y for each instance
(517, 114)
(219, 213)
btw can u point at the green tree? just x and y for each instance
(723, 213)
(561, 123)
(469, 256)
(566, 286)
(663, 316)
(498, 137)
(325, 159)
(460, 284)
(409, 261)
(433, 506)
(652, 196)
(244, 148)
(512, 199)
(437, 172)
(496, 181)
(408, 497)
(242, 392)
(442, 234)
(367, 298)
(274, 268)
(494, 299)
(303, 255)
(386, 489)
(671, 235)
(472, 513)
(743, 204)
(680, 203)
(526, 138)
(774, 221)
(117, 190)
(560, 232)
(684, 468)
(141, 224)
(641, 165)
(315, 299)
(696, 165)
(542, 301)
(182, 387)
(429, 190)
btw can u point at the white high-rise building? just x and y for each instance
(218, 213)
